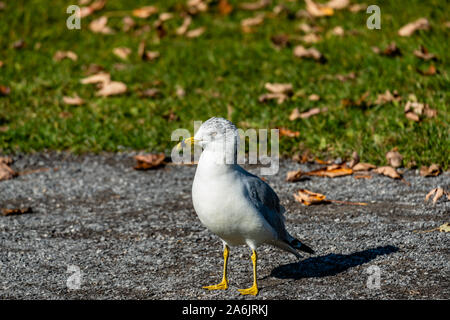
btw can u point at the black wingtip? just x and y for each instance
(301, 246)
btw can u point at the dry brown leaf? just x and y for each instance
(184, 27)
(338, 31)
(95, 6)
(75, 100)
(311, 38)
(151, 55)
(145, 12)
(6, 160)
(394, 158)
(6, 172)
(307, 197)
(280, 97)
(246, 24)
(4, 90)
(128, 23)
(361, 166)
(309, 113)
(410, 28)
(112, 88)
(337, 4)
(196, 6)
(437, 193)
(431, 71)
(423, 53)
(293, 176)
(280, 40)
(195, 32)
(150, 93)
(1, 63)
(355, 159)
(101, 78)
(388, 171)
(312, 53)
(391, 50)
(414, 109)
(314, 97)
(59, 55)
(445, 227)
(255, 5)
(149, 161)
(318, 10)
(431, 171)
(362, 176)
(122, 52)
(14, 212)
(306, 28)
(388, 97)
(412, 116)
(99, 26)
(279, 87)
(225, 7)
(288, 133)
(357, 7)
(331, 171)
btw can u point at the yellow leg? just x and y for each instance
(253, 290)
(224, 284)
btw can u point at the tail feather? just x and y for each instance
(295, 243)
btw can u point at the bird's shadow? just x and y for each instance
(330, 264)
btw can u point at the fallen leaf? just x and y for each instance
(423, 53)
(394, 158)
(388, 97)
(410, 28)
(248, 23)
(293, 176)
(195, 32)
(414, 109)
(149, 161)
(309, 113)
(331, 171)
(60, 55)
(255, 5)
(338, 31)
(99, 26)
(388, 171)
(151, 55)
(112, 88)
(150, 93)
(357, 7)
(437, 193)
(279, 87)
(337, 4)
(288, 133)
(306, 28)
(362, 176)
(346, 77)
(318, 10)
(128, 23)
(19, 44)
(412, 116)
(15, 212)
(361, 166)
(391, 50)
(101, 77)
(312, 53)
(75, 100)
(311, 38)
(314, 97)
(184, 27)
(355, 159)
(280, 97)
(196, 6)
(95, 6)
(1, 63)
(6, 160)
(360, 103)
(122, 52)
(307, 197)
(6, 172)
(225, 7)
(445, 227)
(4, 90)
(145, 12)
(431, 71)
(280, 40)
(431, 171)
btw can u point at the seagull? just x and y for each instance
(237, 206)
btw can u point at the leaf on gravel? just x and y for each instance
(423, 54)
(74, 101)
(6, 172)
(410, 28)
(257, 5)
(311, 53)
(437, 193)
(15, 212)
(307, 197)
(145, 12)
(361, 166)
(122, 52)
(149, 161)
(332, 171)
(445, 227)
(279, 87)
(60, 55)
(388, 97)
(112, 88)
(101, 77)
(388, 171)
(288, 133)
(431, 171)
(6, 160)
(362, 176)
(99, 26)
(394, 158)
(318, 10)
(195, 32)
(355, 160)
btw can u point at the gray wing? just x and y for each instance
(266, 201)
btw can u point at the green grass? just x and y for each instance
(222, 67)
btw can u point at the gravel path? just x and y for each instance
(134, 235)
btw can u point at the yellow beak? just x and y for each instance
(186, 142)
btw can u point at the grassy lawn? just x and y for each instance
(223, 70)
